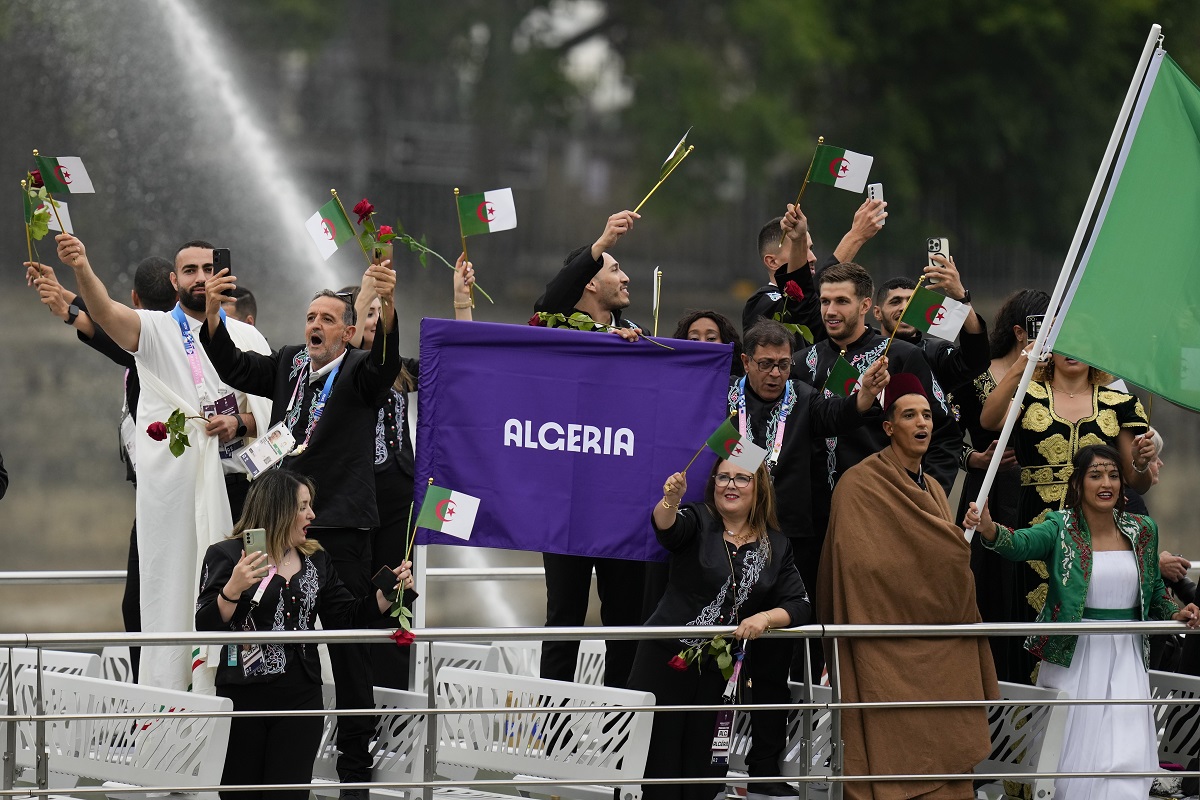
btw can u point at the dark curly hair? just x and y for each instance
(725, 328)
(1017, 307)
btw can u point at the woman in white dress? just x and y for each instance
(1103, 566)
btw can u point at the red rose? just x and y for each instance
(157, 431)
(403, 638)
(793, 290)
(537, 321)
(35, 179)
(364, 209)
(385, 230)
(678, 663)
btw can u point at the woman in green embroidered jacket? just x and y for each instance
(1103, 565)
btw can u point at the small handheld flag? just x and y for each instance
(64, 175)
(656, 276)
(487, 212)
(730, 445)
(329, 228)
(844, 169)
(674, 158)
(843, 378)
(935, 314)
(449, 512)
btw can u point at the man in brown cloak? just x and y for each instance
(894, 555)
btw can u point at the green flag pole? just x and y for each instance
(804, 185)
(892, 338)
(686, 153)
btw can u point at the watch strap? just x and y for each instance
(72, 314)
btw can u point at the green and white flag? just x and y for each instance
(730, 445)
(935, 314)
(844, 169)
(675, 156)
(64, 175)
(1133, 307)
(329, 228)
(488, 212)
(449, 512)
(34, 206)
(843, 378)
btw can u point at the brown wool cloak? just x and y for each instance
(893, 555)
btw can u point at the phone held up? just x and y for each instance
(254, 540)
(221, 259)
(875, 192)
(936, 246)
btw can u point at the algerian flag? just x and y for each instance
(329, 228)
(1144, 325)
(843, 378)
(44, 210)
(487, 213)
(935, 314)
(64, 175)
(675, 156)
(844, 169)
(730, 445)
(449, 512)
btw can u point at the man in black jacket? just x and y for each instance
(954, 367)
(328, 397)
(785, 417)
(789, 259)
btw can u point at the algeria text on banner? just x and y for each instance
(64, 175)
(730, 445)
(935, 314)
(329, 228)
(488, 212)
(565, 436)
(1133, 308)
(844, 169)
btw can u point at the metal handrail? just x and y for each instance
(99, 576)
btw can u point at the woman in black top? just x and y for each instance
(729, 566)
(284, 589)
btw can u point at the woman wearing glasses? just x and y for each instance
(729, 565)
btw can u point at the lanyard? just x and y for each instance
(318, 405)
(782, 410)
(191, 350)
(262, 585)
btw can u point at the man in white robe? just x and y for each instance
(182, 503)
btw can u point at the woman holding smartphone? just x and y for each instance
(284, 588)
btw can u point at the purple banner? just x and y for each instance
(564, 436)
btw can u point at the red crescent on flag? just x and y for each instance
(444, 510)
(934, 314)
(839, 167)
(486, 212)
(328, 227)
(733, 447)
(62, 174)
(850, 385)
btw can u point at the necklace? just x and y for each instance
(287, 557)
(740, 540)
(1064, 391)
(733, 586)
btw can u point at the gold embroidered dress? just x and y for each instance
(1045, 443)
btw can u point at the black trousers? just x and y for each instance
(268, 750)
(350, 551)
(772, 660)
(393, 495)
(131, 601)
(568, 587)
(680, 741)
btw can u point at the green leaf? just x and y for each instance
(424, 259)
(724, 661)
(405, 624)
(177, 447)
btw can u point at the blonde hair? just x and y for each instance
(272, 504)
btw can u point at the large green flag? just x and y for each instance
(1133, 308)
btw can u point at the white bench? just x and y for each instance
(1178, 725)
(454, 654)
(525, 658)
(124, 753)
(116, 665)
(1025, 738)
(397, 749)
(583, 734)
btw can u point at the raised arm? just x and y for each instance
(564, 289)
(121, 322)
(868, 221)
(464, 279)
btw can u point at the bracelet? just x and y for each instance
(221, 592)
(1143, 470)
(467, 304)
(668, 506)
(766, 616)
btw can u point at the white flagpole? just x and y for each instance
(1089, 211)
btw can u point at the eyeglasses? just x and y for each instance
(740, 481)
(783, 365)
(348, 297)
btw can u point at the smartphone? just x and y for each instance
(385, 581)
(254, 539)
(1033, 324)
(221, 260)
(875, 192)
(939, 246)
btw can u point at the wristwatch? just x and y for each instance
(241, 429)
(72, 314)
(966, 298)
